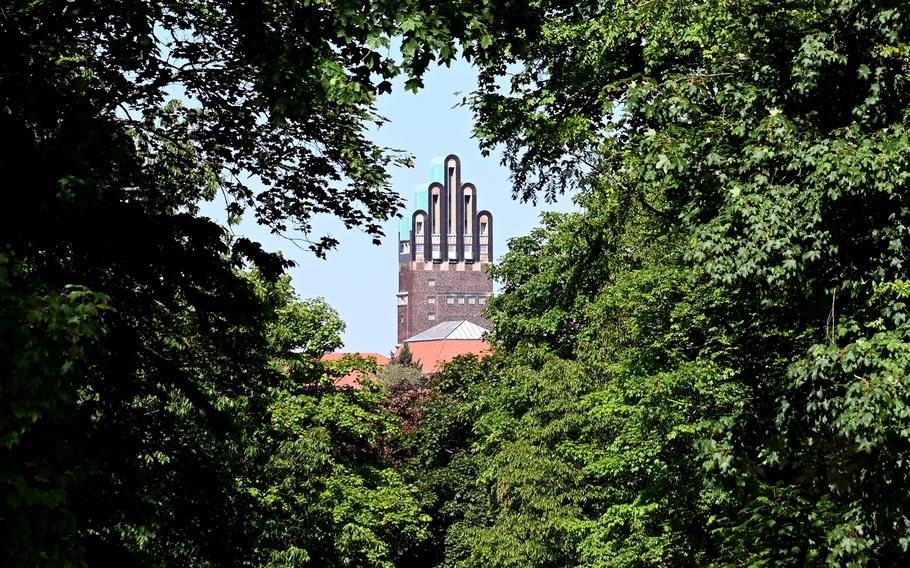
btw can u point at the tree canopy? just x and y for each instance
(707, 364)
(139, 362)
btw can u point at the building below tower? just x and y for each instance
(433, 348)
(445, 250)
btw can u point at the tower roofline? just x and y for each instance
(443, 254)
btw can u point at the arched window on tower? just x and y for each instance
(485, 227)
(420, 223)
(452, 224)
(468, 211)
(436, 211)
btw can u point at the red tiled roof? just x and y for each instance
(352, 379)
(433, 354)
(337, 355)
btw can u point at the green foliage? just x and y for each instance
(48, 336)
(706, 365)
(331, 466)
(398, 376)
(593, 461)
(441, 463)
(548, 278)
(324, 490)
(321, 494)
(405, 357)
(140, 365)
(278, 96)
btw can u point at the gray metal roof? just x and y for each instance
(461, 329)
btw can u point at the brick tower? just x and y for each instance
(445, 249)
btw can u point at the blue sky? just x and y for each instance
(360, 279)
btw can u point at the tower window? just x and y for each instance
(419, 228)
(419, 248)
(483, 227)
(483, 249)
(467, 214)
(468, 253)
(435, 211)
(452, 251)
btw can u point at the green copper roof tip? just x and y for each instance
(420, 201)
(437, 169)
